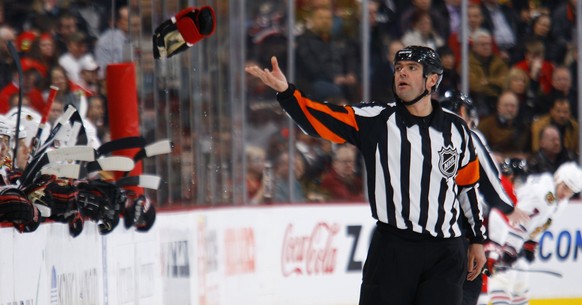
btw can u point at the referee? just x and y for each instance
(490, 190)
(419, 159)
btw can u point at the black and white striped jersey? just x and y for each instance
(492, 192)
(416, 167)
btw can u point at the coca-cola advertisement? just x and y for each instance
(310, 253)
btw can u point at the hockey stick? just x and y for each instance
(62, 170)
(145, 181)
(36, 141)
(78, 129)
(154, 149)
(63, 119)
(16, 58)
(548, 272)
(73, 153)
(121, 144)
(36, 161)
(114, 163)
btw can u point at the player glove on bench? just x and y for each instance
(182, 31)
(64, 198)
(35, 192)
(101, 201)
(139, 213)
(16, 208)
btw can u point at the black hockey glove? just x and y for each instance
(529, 250)
(101, 201)
(35, 192)
(76, 224)
(63, 197)
(140, 213)
(17, 209)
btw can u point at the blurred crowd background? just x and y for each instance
(234, 145)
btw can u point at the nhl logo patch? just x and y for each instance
(448, 161)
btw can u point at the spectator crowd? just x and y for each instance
(63, 44)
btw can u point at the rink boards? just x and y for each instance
(287, 255)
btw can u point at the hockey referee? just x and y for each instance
(419, 159)
(490, 190)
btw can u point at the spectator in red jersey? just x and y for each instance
(33, 76)
(539, 70)
(44, 50)
(24, 41)
(341, 182)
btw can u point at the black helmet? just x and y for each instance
(427, 57)
(431, 64)
(514, 166)
(454, 99)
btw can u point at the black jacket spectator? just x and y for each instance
(564, 24)
(326, 66)
(511, 23)
(551, 154)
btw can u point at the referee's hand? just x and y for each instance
(274, 79)
(476, 260)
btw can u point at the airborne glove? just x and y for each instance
(182, 31)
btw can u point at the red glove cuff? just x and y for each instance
(188, 23)
(530, 245)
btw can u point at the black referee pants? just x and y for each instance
(405, 268)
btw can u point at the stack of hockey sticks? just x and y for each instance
(63, 180)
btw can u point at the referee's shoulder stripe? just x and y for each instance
(469, 174)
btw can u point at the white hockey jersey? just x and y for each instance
(537, 197)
